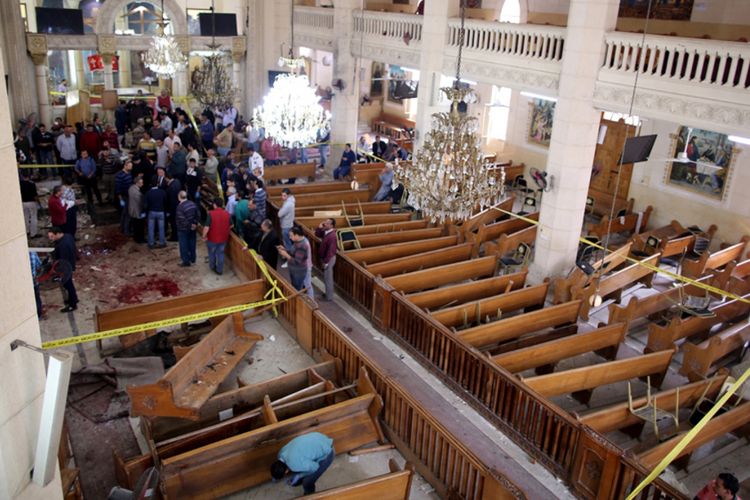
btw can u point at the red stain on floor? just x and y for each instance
(132, 293)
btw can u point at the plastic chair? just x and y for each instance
(518, 259)
(346, 238)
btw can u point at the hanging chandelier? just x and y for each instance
(211, 83)
(291, 112)
(449, 180)
(164, 57)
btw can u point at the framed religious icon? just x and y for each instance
(377, 79)
(541, 116)
(705, 161)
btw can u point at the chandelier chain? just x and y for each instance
(461, 35)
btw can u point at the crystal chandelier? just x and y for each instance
(212, 82)
(291, 112)
(449, 180)
(164, 57)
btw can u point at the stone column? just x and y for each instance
(109, 77)
(80, 76)
(180, 86)
(19, 67)
(239, 47)
(345, 103)
(37, 45)
(253, 60)
(434, 35)
(124, 68)
(574, 135)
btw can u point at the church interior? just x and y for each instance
(479, 249)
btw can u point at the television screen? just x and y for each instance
(273, 74)
(59, 21)
(404, 89)
(226, 24)
(637, 149)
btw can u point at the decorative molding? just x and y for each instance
(37, 47)
(184, 43)
(318, 41)
(511, 76)
(107, 44)
(109, 11)
(391, 55)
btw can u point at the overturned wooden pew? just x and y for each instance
(244, 461)
(392, 486)
(465, 292)
(193, 380)
(699, 359)
(581, 382)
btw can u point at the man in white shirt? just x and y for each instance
(171, 140)
(229, 116)
(162, 153)
(256, 162)
(66, 145)
(166, 123)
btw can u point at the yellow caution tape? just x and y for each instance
(152, 325)
(36, 165)
(656, 269)
(689, 436)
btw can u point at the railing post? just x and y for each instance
(382, 303)
(304, 319)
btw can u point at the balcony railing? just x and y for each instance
(389, 26)
(544, 43)
(313, 17)
(723, 65)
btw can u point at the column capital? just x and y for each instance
(239, 48)
(107, 59)
(183, 42)
(106, 44)
(36, 45)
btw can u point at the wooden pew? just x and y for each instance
(627, 223)
(581, 381)
(440, 257)
(600, 203)
(442, 275)
(716, 427)
(508, 242)
(740, 270)
(529, 298)
(606, 339)
(326, 198)
(512, 170)
(561, 286)
(664, 337)
(488, 232)
(368, 174)
(372, 255)
(614, 283)
(244, 460)
(619, 416)
(183, 390)
(464, 292)
(392, 486)
(714, 260)
(370, 207)
(672, 239)
(313, 222)
(390, 227)
(488, 216)
(516, 326)
(310, 187)
(384, 239)
(699, 359)
(183, 305)
(289, 170)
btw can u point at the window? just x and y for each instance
(499, 113)
(511, 12)
(630, 120)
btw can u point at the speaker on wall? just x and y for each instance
(59, 21)
(226, 24)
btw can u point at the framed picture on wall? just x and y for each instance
(672, 10)
(708, 158)
(542, 113)
(396, 74)
(378, 79)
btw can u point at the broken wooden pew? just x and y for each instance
(183, 305)
(244, 460)
(424, 260)
(183, 390)
(392, 486)
(581, 382)
(475, 312)
(714, 260)
(699, 359)
(545, 356)
(464, 292)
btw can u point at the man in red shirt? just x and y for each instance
(91, 141)
(56, 207)
(216, 234)
(327, 252)
(724, 487)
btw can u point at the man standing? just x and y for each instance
(65, 252)
(286, 216)
(43, 141)
(155, 206)
(267, 244)
(86, 171)
(186, 220)
(134, 207)
(256, 162)
(66, 145)
(30, 199)
(327, 253)
(173, 188)
(216, 234)
(347, 159)
(123, 181)
(297, 258)
(206, 129)
(260, 196)
(724, 487)
(56, 207)
(307, 457)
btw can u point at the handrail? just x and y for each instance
(313, 17)
(389, 25)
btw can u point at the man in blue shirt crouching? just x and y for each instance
(307, 457)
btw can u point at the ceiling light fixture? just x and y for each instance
(164, 57)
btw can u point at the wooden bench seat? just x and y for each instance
(488, 216)
(442, 275)
(489, 232)
(606, 340)
(581, 381)
(288, 171)
(243, 461)
(508, 242)
(391, 227)
(714, 260)
(716, 427)
(619, 416)
(183, 305)
(475, 312)
(385, 239)
(392, 486)
(372, 255)
(614, 283)
(424, 260)
(341, 222)
(511, 170)
(464, 292)
(183, 390)
(600, 203)
(369, 207)
(630, 223)
(699, 359)
(670, 240)
(561, 287)
(326, 198)
(311, 187)
(738, 270)
(664, 337)
(514, 327)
